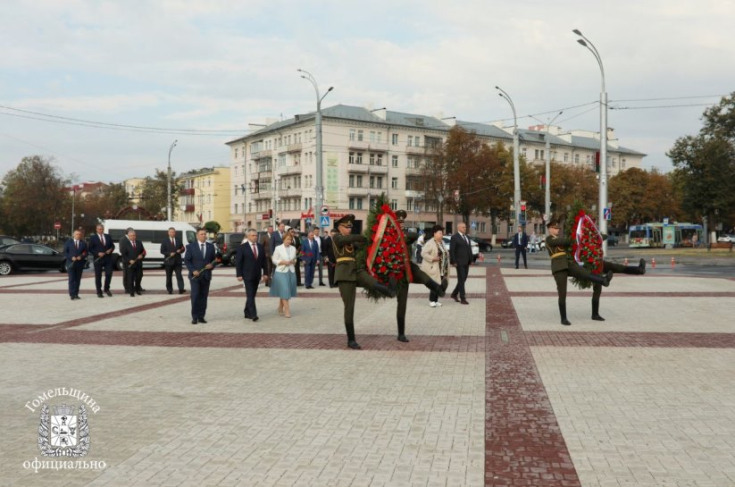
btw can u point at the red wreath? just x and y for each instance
(388, 255)
(587, 247)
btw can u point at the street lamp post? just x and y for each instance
(516, 163)
(547, 195)
(603, 136)
(168, 199)
(319, 160)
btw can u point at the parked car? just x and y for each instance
(30, 257)
(726, 238)
(227, 244)
(483, 245)
(475, 248)
(612, 240)
(5, 240)
(507, 243)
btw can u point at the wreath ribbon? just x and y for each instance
(385, 218)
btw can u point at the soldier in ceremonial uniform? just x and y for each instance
(419, 277)
(348, 275)
(561, 270)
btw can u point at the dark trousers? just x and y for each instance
(309, 271)
(199, 295)
(521, 251)
(133, 278)
(462, 273)
(251, 288)
(330, 273)
(561, 279)
(319, 272)
(170, 269)
(348, 290)
(105, 264)
(75, 277)
(298, 272)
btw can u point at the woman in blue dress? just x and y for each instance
(284, 277)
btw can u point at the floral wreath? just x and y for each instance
(587, 247)
(387, 255)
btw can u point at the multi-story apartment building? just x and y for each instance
(134, 188)
(369, 152)
(205, 196)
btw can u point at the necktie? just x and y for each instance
(102, 239)
(202, 249)
(76, 244)
(255, 251)
(133, 242)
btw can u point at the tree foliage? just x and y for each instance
(643, 196)
(212, 227)
(154, 193)
(33, 197)
(705, 164)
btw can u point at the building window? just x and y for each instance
(359, 203)
(417, 141)
(410, 140)
(394, 183)
(566, 157)
(380, 137)
(576, 158)
(394, 205)
(358, 180)
(622, 164)
(360, 136)
(359, 158)
(482, 227)
(379, 161)
(352, 157)
(235, 153)
(352, 181)
(523, 153)
(352, 134)
(395, 161)
(372, 159)
(394, 139)
(380, 182)
(352, 203)
(372, 136)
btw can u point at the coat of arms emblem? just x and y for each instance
(64, 434)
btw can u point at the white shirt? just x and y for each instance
(318, 244)
(284, 253)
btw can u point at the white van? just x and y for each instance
(151, 233)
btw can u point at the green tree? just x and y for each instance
(212, 227)
(33, 197)
(154, 193)
(705, 164)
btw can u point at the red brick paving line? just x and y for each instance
(523, 443)
(630, 339)
(641, 294)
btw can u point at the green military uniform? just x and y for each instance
(561, 270)
(348, 276)
(419, 277)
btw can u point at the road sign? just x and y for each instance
(608, 213)
(666, 221)
(57, 225)
(324, 221)
(308, 222)
(473, 225)
(325, 210)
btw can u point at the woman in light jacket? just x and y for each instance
(435, 261)
(284, 277)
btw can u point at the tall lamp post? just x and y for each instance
(319, 160)
(168, 199)
(603, 136)
(516, 163)
(547, 195)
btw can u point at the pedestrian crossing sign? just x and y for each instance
(324, 221)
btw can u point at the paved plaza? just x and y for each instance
(496, 393)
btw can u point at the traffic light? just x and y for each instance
(523, 206)
(597, 162)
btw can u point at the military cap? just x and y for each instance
(346, 220)
(554, 221)
(401, 215)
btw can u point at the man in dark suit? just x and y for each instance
(319, 263)
(171, 249)
(199, 259)
(310, 249)
(277, 237)
(297, 246)
(132, 254)
(265, 241)
(251, 268)
(328, 256)
(520, 242)
(460, 256)
(101, 248)
(75, 251)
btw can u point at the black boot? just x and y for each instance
(603, 279)
(436, 288)
(402, 330)
(351, 342)
(385, 290)
(596, 310)
(641, 267)
(563, 312)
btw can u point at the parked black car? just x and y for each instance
(5, 240)
(484, 245)
(227, 244)
(30, 257)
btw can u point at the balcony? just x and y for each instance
(361, 168)
(360, 191)
(415, 149)
(414, 171)
(291, 170)
(187, 192)
(262, 195)
(265, 174)
(261, 155)
(294, 147)
(289, 193)
(412, 193)
(378, 169)
(188, 208)
(363, 145)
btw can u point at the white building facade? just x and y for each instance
(366, 153)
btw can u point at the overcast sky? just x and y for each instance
(219, 65)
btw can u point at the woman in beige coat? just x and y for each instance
(436, 261)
